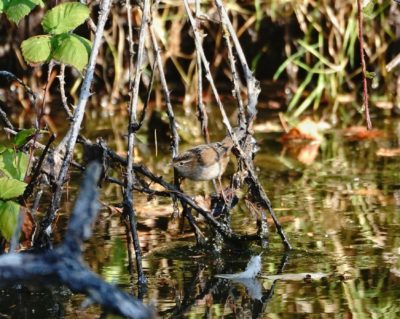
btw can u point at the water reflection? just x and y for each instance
(341, 213)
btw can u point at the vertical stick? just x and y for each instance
(235, 77)
(129, 210)
(170, 111)
(201, 110)
(363, 65)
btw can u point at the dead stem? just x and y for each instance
(128, 203)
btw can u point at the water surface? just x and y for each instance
(340, 212)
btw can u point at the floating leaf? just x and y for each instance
(11, 188)
(17, 9)
(36, 49)
(23, 137)
(14, 164)
(65, 17)
(9, 212)
(72, 49)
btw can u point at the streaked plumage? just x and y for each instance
(207, 161)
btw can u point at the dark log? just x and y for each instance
(64, 264)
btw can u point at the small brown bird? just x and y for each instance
(207, 161)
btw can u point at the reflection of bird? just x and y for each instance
(206, 162)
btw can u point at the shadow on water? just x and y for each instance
(341, 214)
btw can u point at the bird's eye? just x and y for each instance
(180, 163)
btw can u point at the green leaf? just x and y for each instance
(17, 9)
(9, 212)
(36, 49)
(3, 5)
(72, 49)
(11, 188)
(14, 164)
(65, 17)
(23, 137)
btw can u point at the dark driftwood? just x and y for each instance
(64, 263)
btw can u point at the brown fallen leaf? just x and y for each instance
(358, 133)
(305, 131)
(294, 135)
(305, 153)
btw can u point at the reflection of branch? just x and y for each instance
(210, 286)
(64, 263)
(258, 307)
(187, 300)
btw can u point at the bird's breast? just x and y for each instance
(206, 173)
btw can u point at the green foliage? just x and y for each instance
(71, 49)
(324, 63)
(65, 17)
(60, 44)
(13, 167)
(14, 164)
(9, 211)
(37, 49)
(23, 137)
(17, 9)
(11, 188)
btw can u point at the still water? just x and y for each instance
(339, 204)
